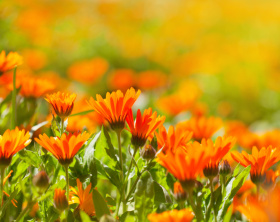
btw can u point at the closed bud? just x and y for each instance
(60, 200)
(41, 181)
(224, 168)
(211, 171)
(107, 218)
(148, 152)
(179, 193)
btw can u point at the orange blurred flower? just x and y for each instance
(34, 209)
(202, 127)
(60, 199)
(199, 109)
(34, 59)
(260, 161)
(10, 61)
(185, 166)
(185, 215)
(173, 139)
(254, 210)
(65, 147)
(144, 126)
(151, 79)
(88, 71)
(62, 103)
(179, 193)
(83, 198)
(218, 151)
(122, 79)
(11, 142)
(115, 107)
(270, 178)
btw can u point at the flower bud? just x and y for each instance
(257, 178)
(224, 168)
(41, 180)
(211, 171)
(60, 200)
(179, 193)
(148, 152)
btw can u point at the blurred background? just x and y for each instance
(202, 57)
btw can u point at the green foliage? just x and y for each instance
(100, 205)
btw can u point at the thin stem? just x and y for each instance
(67, 186)
(27, 209)
(62, 126)
(212, 198)
(120, 153)
(181, 205)
(132, 188)
(14, 94)
(2, 185)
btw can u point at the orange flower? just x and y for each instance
(260, 161)
(11, 142)
(34, 209)
(270, 178)
(34, 59)
(60, 200)
(10, 61)
(62, 103)
(88, 71)
(185, 215)
(185, 166)
(217, 150)
(179, 193)
(202, 127)
(65, 147)
(115, 107)
(151, 79)
(122, 79)
(83, 198)
(172, 140)
(144, 126)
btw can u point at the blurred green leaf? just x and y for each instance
(100, 205)
(161, 194)
(82, 113)
(144, 196)
(84, 216)
(30, 157)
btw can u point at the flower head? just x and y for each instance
(115, 107)
(202, 127)
(179, 193)
(173, 139)
(218, 150)
(260, 161)
(10, 61)
(144, 126)
(185, 166)
(184, 215)
(60, 200)
(65, 147)
(11, 142)
(62, 103)
(83, 198)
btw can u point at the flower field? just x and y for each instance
(156, 111)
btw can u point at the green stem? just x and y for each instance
(212, 199)
(26, 209)
(120, 153)
(2, 174)
(181, 205)
(67, 186)
(133, 187)
(62, 126)
(14, 94)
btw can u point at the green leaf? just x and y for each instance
(144, 196)
(82, 113)
(30, 157)
(100, 205)
(84, 216)
(161, 194)
(232, 186)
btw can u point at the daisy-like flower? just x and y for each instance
(115, 107)
(65, 147)
(144, 126)
(83, 198)
(60, 200)
(62, 103)
(185, 215)
(185, 166)
(173, 139)
(260, 161)
(202, 127)
(11, 142)
(218, 150)
(10, 61)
